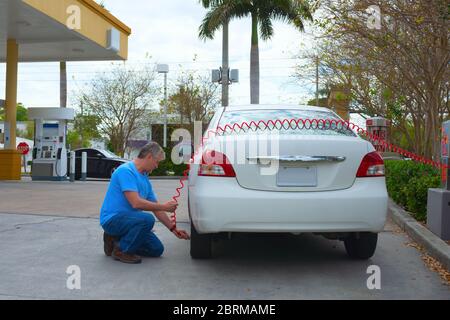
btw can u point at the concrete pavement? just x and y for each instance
(38, 249)
(79, 199)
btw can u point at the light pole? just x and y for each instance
(225, 66)
(164, 68)
(225, 76)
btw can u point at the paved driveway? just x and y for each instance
(37, 250)
(79, 199)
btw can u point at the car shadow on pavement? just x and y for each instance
(270, 248)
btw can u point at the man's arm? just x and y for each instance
(164, 218)
(141, 204)
(159, 210)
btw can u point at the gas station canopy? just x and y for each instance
(51, 30)
(62, 30)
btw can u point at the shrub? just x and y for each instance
(168, 168)
(408, 183)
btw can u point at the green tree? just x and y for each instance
(74, 140)
(262, 14)
(398, 71)
(85, 129)
(120, 100)
(22, 113)
(195, 98)
(28, 133)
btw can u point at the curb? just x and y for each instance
(435, 246)
(151, 177)
(165, 177)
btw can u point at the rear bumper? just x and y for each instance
(222, 205)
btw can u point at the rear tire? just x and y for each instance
(361, 245)
(200, 244)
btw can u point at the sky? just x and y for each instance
(166, 31)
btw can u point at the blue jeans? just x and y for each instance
(135, 233)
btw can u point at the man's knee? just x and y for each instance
(148, 221)
(159, 250)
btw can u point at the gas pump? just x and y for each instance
(49, 152)
(378, 126)
(438, 210)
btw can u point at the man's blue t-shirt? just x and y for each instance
(125, 178)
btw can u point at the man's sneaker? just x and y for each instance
(125, 257)
(108, 244)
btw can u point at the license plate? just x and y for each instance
(297, 177)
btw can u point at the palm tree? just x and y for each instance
(262, 13)
(225, 61)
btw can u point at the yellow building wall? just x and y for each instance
(95, 20)
(10, 165)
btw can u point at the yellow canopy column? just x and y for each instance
(10, 158)
(12, 61)
(51, 30)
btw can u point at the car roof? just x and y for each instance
(276, 107)
(87, 149)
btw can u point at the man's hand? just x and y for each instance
(170, 206)
(181, 234)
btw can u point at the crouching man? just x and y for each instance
(128, 229)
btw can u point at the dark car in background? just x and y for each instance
(100, 163)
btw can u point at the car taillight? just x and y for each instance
(371, 166)
(215, 164)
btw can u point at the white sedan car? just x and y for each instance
(324, 180)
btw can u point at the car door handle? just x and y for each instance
(308, 159)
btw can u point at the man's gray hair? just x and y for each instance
(152, 148)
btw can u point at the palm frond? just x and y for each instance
(210, 3)
(210, 24)
(220, 13)
(293, 11)
(265, 27)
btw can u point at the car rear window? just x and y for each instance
(231, 118)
